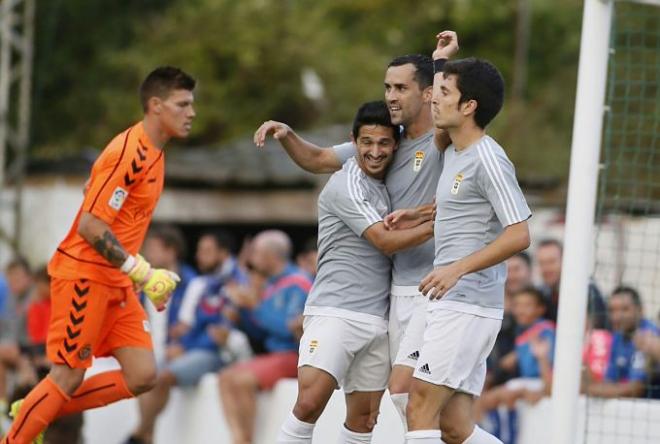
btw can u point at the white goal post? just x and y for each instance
(580, 213)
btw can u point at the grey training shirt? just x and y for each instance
(411, 181)
(478, 195)
(353, 279)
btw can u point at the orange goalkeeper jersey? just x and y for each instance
(123, 190)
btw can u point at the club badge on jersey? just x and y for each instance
(313, 345)
(457, 183)
(417, 163)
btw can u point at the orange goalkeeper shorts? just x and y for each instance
(92, 319)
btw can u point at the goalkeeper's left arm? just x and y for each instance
(156, 283)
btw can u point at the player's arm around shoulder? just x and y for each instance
(393, 241)
(306, 155)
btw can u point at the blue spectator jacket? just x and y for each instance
(186, 273)
(282, 301)
(210, 306)
(627, 364)
(528, 365)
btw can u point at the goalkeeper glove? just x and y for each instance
(156, 283)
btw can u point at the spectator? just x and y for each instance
(222, 271)
(596, 351)
(8, 347)
(519, 277)
(190, 357)
(13, 327)
(213, 248)
(307, 257)
(548, 256)
(533, 356)
(627, 370)
(648, 342)
(267, 315)
(534, 348)
(4, 298)
(165, 247)
(37, 317)
(19, 280)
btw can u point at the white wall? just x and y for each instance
(195, 416)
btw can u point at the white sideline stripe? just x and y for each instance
(507, 187)
(358, 195)
(355, 194)
(508, 212)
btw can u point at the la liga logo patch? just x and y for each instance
(118, 197)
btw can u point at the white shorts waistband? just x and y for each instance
(405, 290)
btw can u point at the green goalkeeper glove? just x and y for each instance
(156, 283)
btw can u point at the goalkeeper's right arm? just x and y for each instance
(157, 284)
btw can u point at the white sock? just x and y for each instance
(480, 436)
(423, 437)
(400, 401)
(295, 431)
(349, 437)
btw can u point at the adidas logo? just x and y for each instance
(414, 355)
(425, 369)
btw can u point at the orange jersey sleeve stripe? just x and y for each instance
(121, 156)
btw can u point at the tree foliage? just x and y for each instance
(249, 56)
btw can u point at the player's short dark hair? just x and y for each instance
(630, 291)
(423, 67)
(534, 293)
(172, 237)
(162, 81)
(223, 239)
(478, 80)
(374, 113)
(551, 243)
(19, 262)
(525, 257)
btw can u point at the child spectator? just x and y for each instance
(533, 355)
(519, 277)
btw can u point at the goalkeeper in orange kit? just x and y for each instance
(96, 269)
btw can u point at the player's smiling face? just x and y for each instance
(448, 113)
(403, 95)
(177, 113)
(375, 149)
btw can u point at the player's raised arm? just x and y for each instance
(308, 156)
(446, 47)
